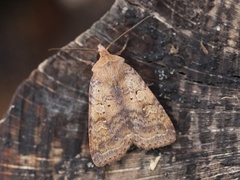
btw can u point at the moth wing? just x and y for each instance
(151, 126)
(109, 136)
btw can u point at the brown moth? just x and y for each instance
(123, 111)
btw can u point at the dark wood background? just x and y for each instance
(44, 133)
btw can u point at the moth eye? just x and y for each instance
(131, 98)
(108, 105)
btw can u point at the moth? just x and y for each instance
(123, 111)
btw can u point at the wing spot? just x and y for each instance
(140, 95)
(100, 108)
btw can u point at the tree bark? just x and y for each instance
(188, 54)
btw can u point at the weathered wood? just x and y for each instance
(44, 134)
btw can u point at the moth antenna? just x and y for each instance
(128, 31)
(62, 49)
(123, 48)
(81, 60)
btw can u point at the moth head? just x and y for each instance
(102, 51)
(105, 58)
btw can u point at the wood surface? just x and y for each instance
(188, 55)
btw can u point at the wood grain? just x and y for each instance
(47, 119)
